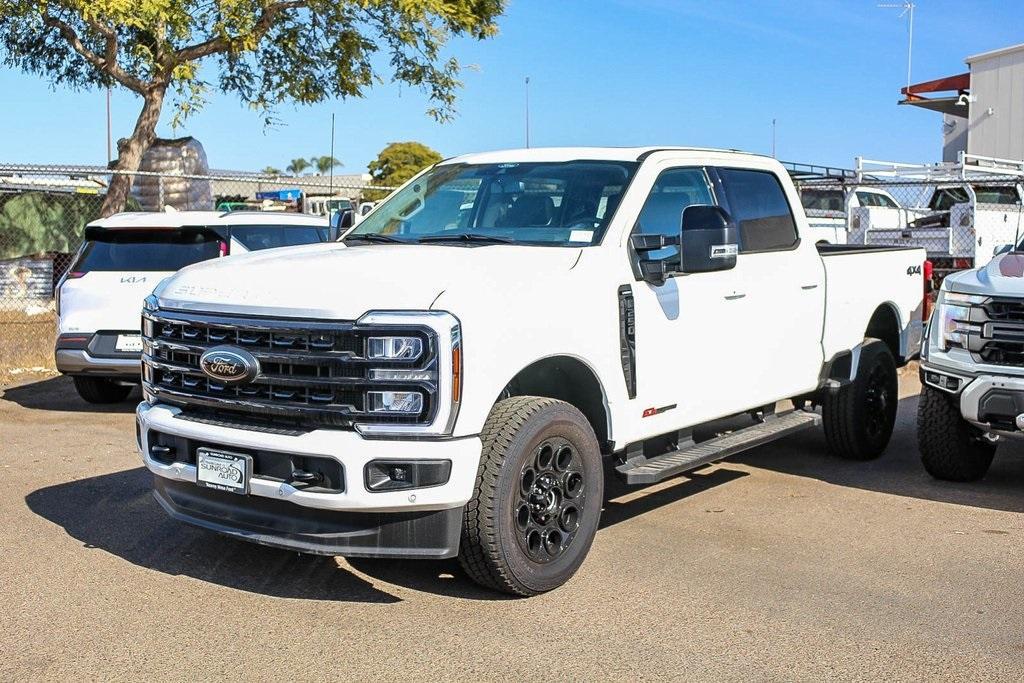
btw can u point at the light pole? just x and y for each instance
(527, 111)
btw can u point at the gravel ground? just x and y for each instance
(781, 563)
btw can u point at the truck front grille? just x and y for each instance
(311, 372)
(1001, 340)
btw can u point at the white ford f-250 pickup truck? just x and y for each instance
(456, 378)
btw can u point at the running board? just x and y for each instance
(659, 468)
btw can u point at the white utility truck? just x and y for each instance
(968, 209)
(456, 378)
(836, 205)
(122, 258)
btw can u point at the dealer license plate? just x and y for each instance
(223, 471)
(129, 343)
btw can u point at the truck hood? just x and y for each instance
(1003, 275)
(340, 282)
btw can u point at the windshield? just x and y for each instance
(255, 237)
(561, 204)
(147, 250)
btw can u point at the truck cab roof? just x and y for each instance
(559, 154)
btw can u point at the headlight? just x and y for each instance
(951, 322)
(394, 348)
(414, 373)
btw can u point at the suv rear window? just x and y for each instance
(147, 250)
(255, 237)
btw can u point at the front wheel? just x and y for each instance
(859, 417)
(537, 499)
(951, 448)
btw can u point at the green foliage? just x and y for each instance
(270, 170)
(297, 166)
(398, 162)
(324, 164)
(37, 222)
(266, 52)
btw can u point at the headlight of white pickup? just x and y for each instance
(951, 322)
(414, 370)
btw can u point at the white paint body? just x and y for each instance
(713, 344)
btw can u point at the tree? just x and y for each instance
(265, 52)
(297, 166)
(324, 164)
(270, 170)
(398, 162)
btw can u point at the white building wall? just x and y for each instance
(996, 123)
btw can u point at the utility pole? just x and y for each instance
(527, 111)
(330, 182)
(908, 11)
(773, 138)
(110, 156)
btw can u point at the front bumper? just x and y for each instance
(279, 513)
(988, 397)
(80, 362)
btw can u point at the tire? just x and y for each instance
(951, 448)
(859, 417)
(101, 389)
(537, 499)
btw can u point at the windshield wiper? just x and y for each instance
(468, 237)
(374, 237)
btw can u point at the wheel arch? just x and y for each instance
(566, 378)
(885, 325)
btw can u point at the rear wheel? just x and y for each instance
(101, 389)
(537, 499)
(859, 417)
(951, 448)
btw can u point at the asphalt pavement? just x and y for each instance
(782, 563)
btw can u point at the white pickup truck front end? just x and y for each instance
(268, 428)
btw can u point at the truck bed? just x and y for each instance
(858, 280)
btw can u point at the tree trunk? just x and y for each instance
(130, 154)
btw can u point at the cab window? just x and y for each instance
(758, 204)
(673, 191)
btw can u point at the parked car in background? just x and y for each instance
(123, 258)
(511, 323)
(972, 369)
(835, 215)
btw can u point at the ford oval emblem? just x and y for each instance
(229, 364)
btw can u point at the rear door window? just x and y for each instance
(256, 237)
(147, 250)
(759, 206)
(822, 200)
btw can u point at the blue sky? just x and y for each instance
(602, 72)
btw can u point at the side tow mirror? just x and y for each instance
(708, 239)
(340, 222)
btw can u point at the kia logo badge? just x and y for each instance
(229, 364)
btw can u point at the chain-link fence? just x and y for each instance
(960, 213)
(44, 211)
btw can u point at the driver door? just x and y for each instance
(688, 346)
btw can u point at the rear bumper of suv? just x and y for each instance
(81, 362)
(96, 354)
(340, 515)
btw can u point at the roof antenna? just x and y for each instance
(908, 11)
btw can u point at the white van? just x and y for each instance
(123, 258)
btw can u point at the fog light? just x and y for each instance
(396, 402)
(393, 475)
(942, 381)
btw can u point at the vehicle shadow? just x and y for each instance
(898, 471)
(117, 513)
(58, 394)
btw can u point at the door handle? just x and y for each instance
(733, 297)
(808, 286)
